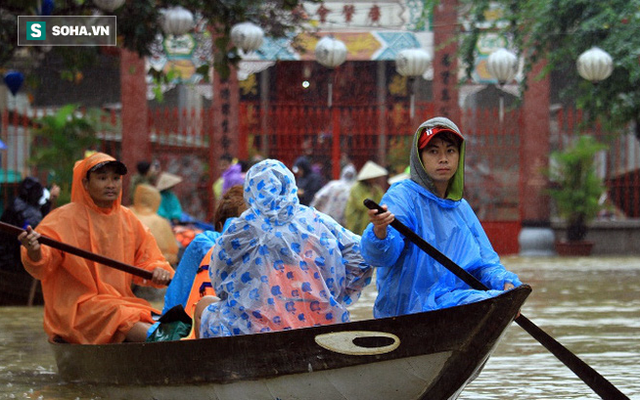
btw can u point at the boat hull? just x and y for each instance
(429, 355)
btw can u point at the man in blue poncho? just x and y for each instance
(431, 204)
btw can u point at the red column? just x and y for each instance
(445, 64)
(225, 105)
(335, 145)
(243, 131)
(135, 130)
(534, 151)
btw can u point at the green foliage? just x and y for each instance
(398, 155)
(559, 31)
(577, 187)
(60, 140)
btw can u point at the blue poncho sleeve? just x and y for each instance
(180, 286)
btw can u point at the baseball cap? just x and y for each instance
(430, 133)
(120, 168)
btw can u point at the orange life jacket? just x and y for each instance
(201, 287)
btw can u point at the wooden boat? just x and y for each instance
(18, 288)
(430, 355)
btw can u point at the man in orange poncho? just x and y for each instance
(86, 302)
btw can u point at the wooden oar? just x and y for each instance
(591, 377)
(109, 262)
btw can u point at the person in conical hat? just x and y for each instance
(167, 180)
(170, 207)
(369, 185)
(431, 203)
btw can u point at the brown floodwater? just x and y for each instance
(590, 305)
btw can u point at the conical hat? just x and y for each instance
(397, 178)
(371, 170)
(167, 180)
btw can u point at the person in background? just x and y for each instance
(367, 186)
(431, 204)
(170, 207)
(146, 202)
(234, 175)
(146, 173)
(225, 162)
(281, 264)
(308, 181)
(332, 198)
(84, 301)
(197, 256)
(27, 209)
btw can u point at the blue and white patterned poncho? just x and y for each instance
(282, 265)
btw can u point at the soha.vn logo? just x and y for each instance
(37, 30)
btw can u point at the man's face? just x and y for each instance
(104, 186)
(440, 160)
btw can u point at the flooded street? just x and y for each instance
(590, 305)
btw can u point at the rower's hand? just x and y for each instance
(380, 221)
(509, 286)
(161, 276)
(30, 240)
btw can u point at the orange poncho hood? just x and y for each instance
(78, 192)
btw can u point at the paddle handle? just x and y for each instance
(109, 262)
(590, 376)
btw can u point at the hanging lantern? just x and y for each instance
(412, 62)
(247, 36)
(331, 52)
(13, 80)
(595, 65)
(47, 7)
(502, 65)
(176, 21)
(108, 5)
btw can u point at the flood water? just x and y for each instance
(590, 305)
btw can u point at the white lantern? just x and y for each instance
(595, 65)
(108, 5)
(247, 36)
(502, 65)
(331, 52)
(412, 62)
(176, 21)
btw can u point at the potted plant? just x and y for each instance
(576, 189)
